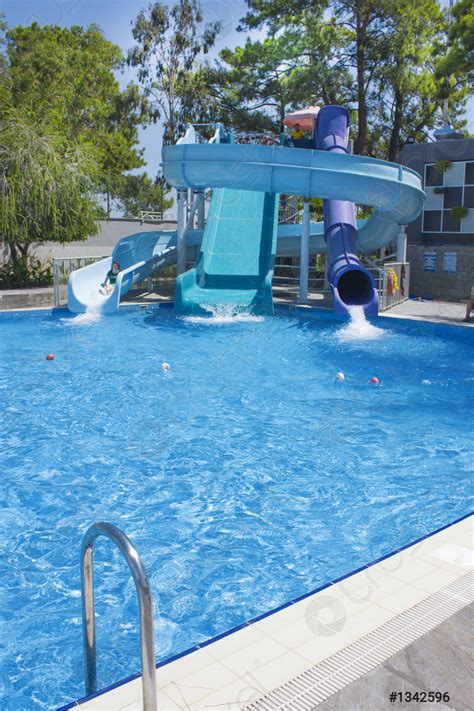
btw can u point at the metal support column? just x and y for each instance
(181, 231)
(201, 212)
(402, 244)
(304, 255)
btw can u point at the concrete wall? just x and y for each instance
(441, 285)
(111, 231)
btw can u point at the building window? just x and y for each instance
(432, 221)
(468, 200)
(444, 190)
(470, 173)
(450, 224)
(432, 177)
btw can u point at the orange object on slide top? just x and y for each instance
(305, 117)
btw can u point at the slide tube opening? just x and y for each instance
(355, 287)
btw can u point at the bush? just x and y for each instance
(442, 165)
(459, 212)
(25, 272)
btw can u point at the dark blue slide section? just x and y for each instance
(351, 283)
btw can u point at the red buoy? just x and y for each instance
(375, 380)
(50, 356)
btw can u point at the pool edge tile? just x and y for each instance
(353, 626)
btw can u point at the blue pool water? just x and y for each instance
(246, 476)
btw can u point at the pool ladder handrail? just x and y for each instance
(142, 585)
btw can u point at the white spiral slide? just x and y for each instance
(139, 256)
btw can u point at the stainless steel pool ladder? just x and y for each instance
(140, 578)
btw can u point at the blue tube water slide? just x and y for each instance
(350, 283)
(236, 259)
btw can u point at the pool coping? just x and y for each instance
(454, 534)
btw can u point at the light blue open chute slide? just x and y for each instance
(242, 237)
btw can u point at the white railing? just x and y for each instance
(62, 268)
(259, 138)
(150, 215)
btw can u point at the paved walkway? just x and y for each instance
(441, 660)
(437, 311)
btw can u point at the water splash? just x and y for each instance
(358, 328)
(91, 315)
(93, 312)
(224, 314)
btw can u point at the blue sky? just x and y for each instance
(116, 17)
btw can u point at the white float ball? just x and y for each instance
(340, 376)
(166, 367)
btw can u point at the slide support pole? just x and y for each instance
(304, 255)
(180, 232)
(201, 217)
(402, 244)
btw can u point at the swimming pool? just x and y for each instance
(246, 476)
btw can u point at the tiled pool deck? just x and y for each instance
(241, 668)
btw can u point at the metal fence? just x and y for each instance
(162, 279)
(62, 268)
(395, 286)
(392, 279)
(286, 273)
(391, 291)
(288, 212)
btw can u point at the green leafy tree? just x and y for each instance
(255, 80)
(47, 187)
(286, 69)
(170, 46)
(136, 193)
(382, 57)
(4, 78)
(353, 27)
(458, 58)
(64, 77)
(410, 87)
